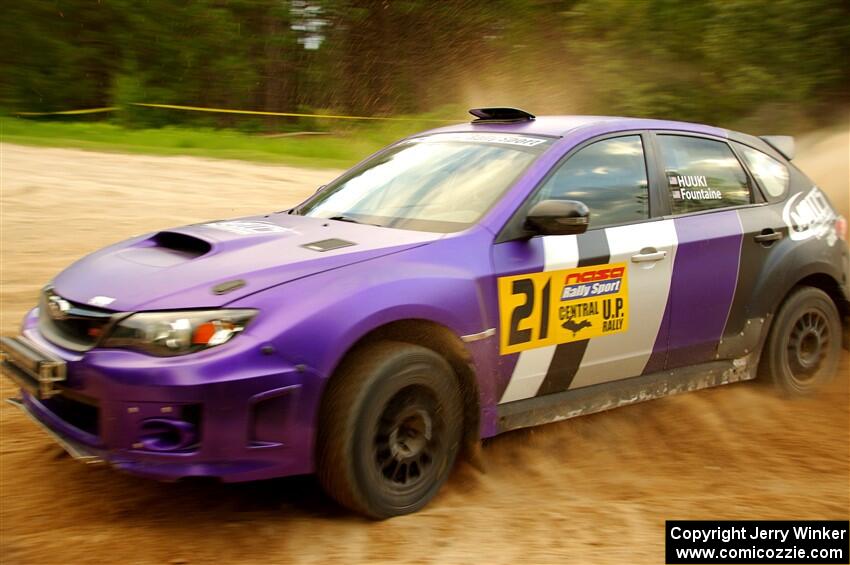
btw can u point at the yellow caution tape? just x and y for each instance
(290, 114)
(70, 112)
(229, 111)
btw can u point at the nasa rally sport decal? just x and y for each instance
(552, 307)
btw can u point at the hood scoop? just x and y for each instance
(165, 249)
(186, 245)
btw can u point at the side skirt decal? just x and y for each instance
(605, 396)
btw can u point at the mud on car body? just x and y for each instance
(462, 282)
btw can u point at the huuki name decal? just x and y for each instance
(692, 187)
(552, 307)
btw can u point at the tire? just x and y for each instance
(804, 345)
(389, 431)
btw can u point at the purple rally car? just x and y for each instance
(462, 282)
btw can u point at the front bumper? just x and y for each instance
(77, 450)
(247, 415)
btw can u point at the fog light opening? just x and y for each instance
(162, 434)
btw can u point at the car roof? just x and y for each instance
(561, 126)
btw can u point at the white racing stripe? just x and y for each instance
(559, 252)
(624, 355)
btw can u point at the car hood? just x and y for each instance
(213, 263)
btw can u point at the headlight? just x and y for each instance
(177, 333)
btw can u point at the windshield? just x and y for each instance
(440, 183)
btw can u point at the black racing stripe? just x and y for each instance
(658, 359)
(592, 250)
(751, 264)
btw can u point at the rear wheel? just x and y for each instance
(803, 348)
(390, 429)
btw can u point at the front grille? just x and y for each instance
(74, 326)
(82, 413)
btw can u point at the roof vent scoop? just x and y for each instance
(490, 115)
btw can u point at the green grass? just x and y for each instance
(341, 148)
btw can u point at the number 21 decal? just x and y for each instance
(520, 313)
(551, 307)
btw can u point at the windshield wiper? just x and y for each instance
(353, 221)
(345, 219)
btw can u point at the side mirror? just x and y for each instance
(558, 217)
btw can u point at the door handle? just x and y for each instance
(648, 256)
(768, 235)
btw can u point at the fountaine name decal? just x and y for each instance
(692, 187)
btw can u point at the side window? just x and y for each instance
(702, 174)
(609, 176)
(770, 173)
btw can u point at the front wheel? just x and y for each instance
(803, 349)
(389, 429)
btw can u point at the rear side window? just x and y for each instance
(609, 177)
(770, 173)
(702, 174)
